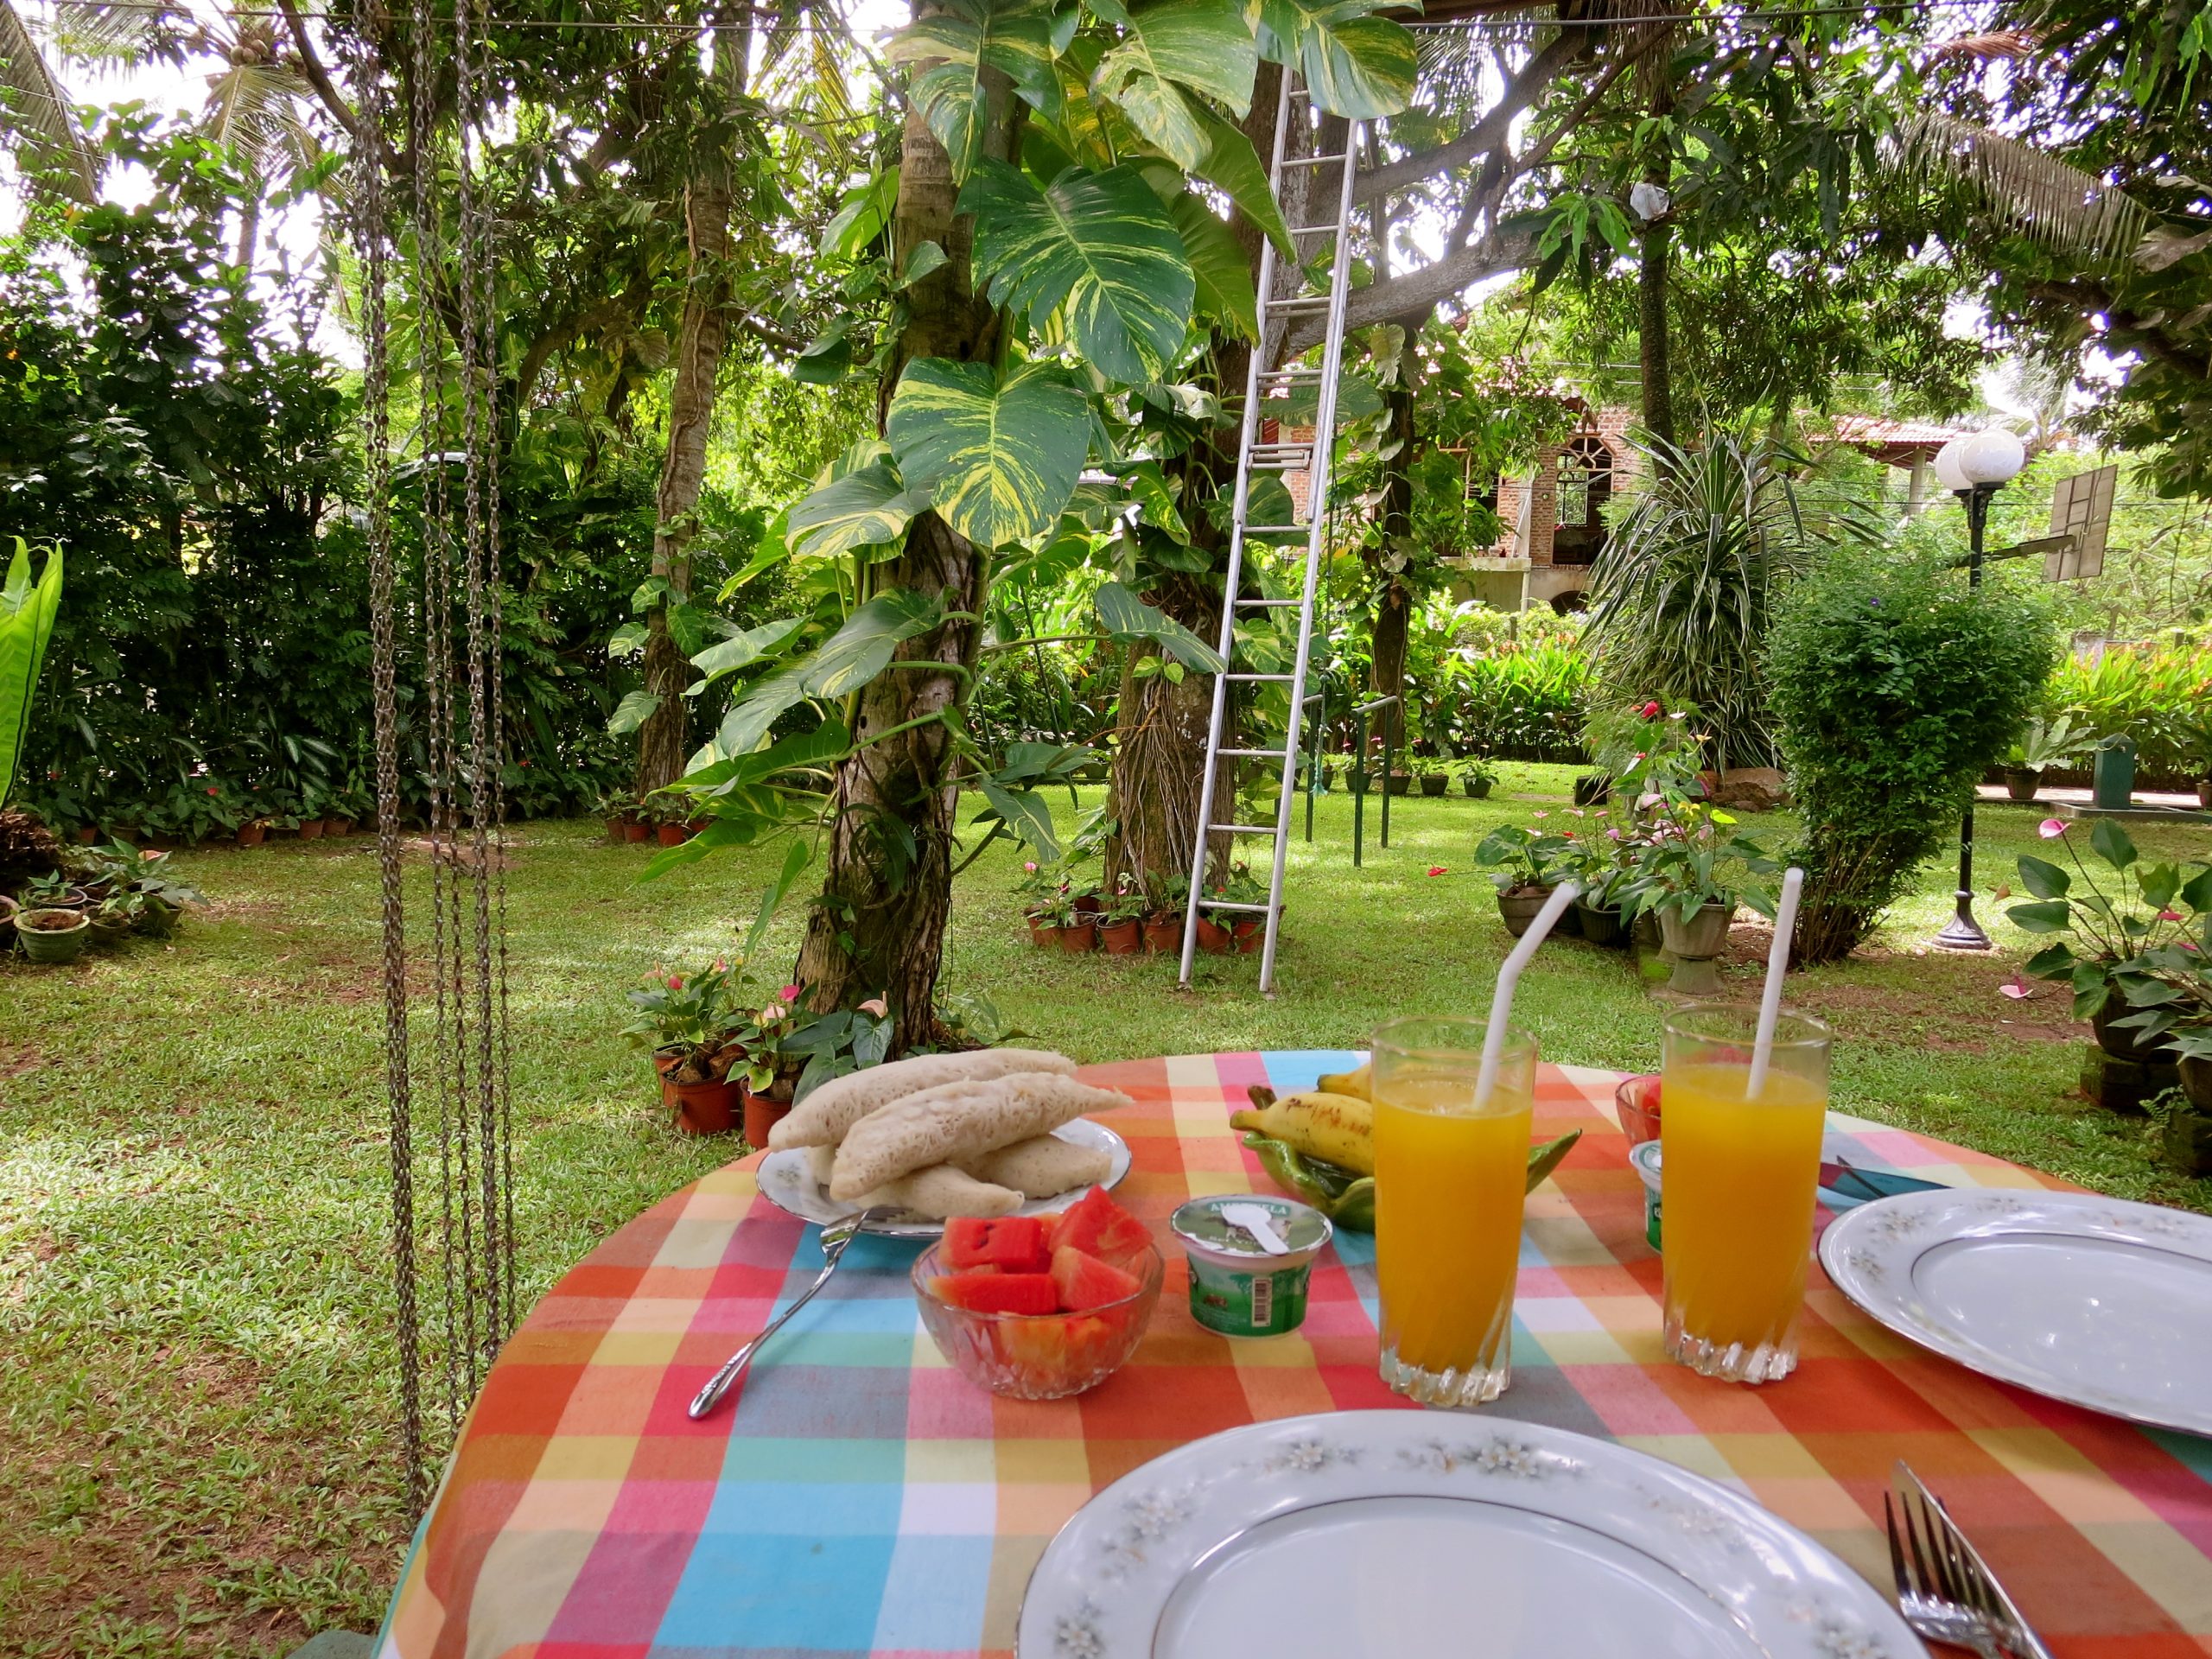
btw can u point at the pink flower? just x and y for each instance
(790, 994)
(876, 1006)
(1540, 815)
(2017, 989)
(772, 1012)
(1576, 812)
(2169, 916)
(2051, 829)
(1436, 870)
(676, 982)
(721, 967)
(1615, 834)
(1030, 865)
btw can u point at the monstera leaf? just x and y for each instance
(999, 458)
(848, 659)
(1205, 46)
(866, 508)
(1358, 65)
(1232, 166)
(1099, 245)
(1127, 617)
(1013, 36)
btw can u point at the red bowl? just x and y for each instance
(1637, 1104)
(1038, 1356)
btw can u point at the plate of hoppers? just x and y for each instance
(997, 1132)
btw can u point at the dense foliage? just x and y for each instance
(1895, 686)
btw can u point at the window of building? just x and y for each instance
(1585, 478)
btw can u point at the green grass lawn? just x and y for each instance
(196, 1432)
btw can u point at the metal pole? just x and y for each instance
(1386, 769)
(1313, 758)
(1359, 790)
(1962, 932)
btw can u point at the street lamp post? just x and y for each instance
(1973, 467)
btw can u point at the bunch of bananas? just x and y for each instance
(1338, 1128)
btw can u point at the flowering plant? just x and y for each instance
(1520, 858)
(691, 1019)
(2146, 939)
(1685, 854)
(831, 1045)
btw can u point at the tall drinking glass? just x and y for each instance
(1737, 1182)
(1449, 1179)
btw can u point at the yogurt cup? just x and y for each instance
(1644, 1155)
(1237, 1287)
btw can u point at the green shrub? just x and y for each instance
(2159, 696)
(1519, 703)
(1895, 687)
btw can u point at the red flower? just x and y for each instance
(212, 790)
(676, 982)
(1652, 709)
(1436, 870)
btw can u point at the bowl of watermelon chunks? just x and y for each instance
(1041, 1306)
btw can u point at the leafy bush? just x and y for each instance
(2159, 696)
(1519, 704)
(1895, 687)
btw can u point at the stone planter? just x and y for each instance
(2021, 783)
(1518, 908)
(1434, 784)
(2127, 1045)
(54, 936)
(2189, 1126)
(1693, 942)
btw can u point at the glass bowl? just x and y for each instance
(1637, 1100)
(1039, 1356)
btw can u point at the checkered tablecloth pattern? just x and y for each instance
(862, 1498)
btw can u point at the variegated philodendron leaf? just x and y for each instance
(1358, 65)
(1224, 294)
(1101, 245)
(1000, 458)
(1204, 46)
(871, 508)
(1013, 36)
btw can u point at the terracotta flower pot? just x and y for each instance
(1078, 940)
(1249, 933)
(636, 832)
(1087, 908)
(1214, 937)
(665, 1062)
(1043, 935)
(760, 1113)
(1434, 784)
(618, 830)
(1518, 908)
(310, 829)
(88, 836)
(672, 834)
(698, 825)
(1121, 938)
(339, 827)
(706, 1107)
(253, 834)
(1164, 935)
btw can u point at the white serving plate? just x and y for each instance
(2091, 1301)
(1404, 1534)
(787, 1182)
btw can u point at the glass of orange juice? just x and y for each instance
(1449, 1179)
(1737, 1178)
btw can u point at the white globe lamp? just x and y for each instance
(1948, 471)
(1991, 457)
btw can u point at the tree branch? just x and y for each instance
(318, 77)
(1487, 134)
(1431, 285)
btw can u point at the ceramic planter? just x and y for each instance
(1434, 784)
(1518, 908)
(760, 1113)
(2127, 1044)
(1164, 935)
(1694, 941)
(706, 1107)
(1121, 938)
(53, 935)
(2188, 1134)
(108, 931)
(2021, 783)
(1601, 923)
(1477, 788)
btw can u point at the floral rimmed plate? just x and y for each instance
(2091, 1301)
(1391, 1534)
(787, 1181)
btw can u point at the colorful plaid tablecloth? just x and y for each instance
(862, 1498)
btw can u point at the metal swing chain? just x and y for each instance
(373, 240)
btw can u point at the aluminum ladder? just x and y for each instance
(1254, 457)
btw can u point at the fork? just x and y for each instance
(834, 1237)
(1945, 1589)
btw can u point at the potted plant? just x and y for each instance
(1121, 923)
(115, 917)
(1520, 862)
(1599, 860)
(1163, 922)
(1478, 777)
(313, 800)
(1040, 890)
(52, 891)
(799, 1054)
(2041, 745)
(1435, 777)
(670, 817)
(158, 897)
(2124, 936)
(1240, 887)
(693, 1029)
(1072, 926)
(53, 935)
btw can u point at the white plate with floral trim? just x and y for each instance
(2089, 1299)
(787, 1181)
(1411, 1535)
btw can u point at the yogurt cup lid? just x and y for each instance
(1200, 1222)
(1644, 1155)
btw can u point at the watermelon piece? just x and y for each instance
(1100, 1228)
(993, 1291)
(1015, 1243)
(1069, 1354)
(1085, 1282)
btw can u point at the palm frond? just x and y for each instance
(38, 114)
(2030, 190)
(255, 108)
(95, 31)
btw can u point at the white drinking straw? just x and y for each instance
(1501, 1000)
(1777, 963)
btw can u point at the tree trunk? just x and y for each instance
(664, 739)
(1159, 747)
(1658, 239)
(1394, 554)
(879, 926)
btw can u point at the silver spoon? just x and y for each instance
(834, 1237)
(1257, 1220)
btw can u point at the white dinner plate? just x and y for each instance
(2089, 1299)
(787, 1182)
(1408, 1535)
